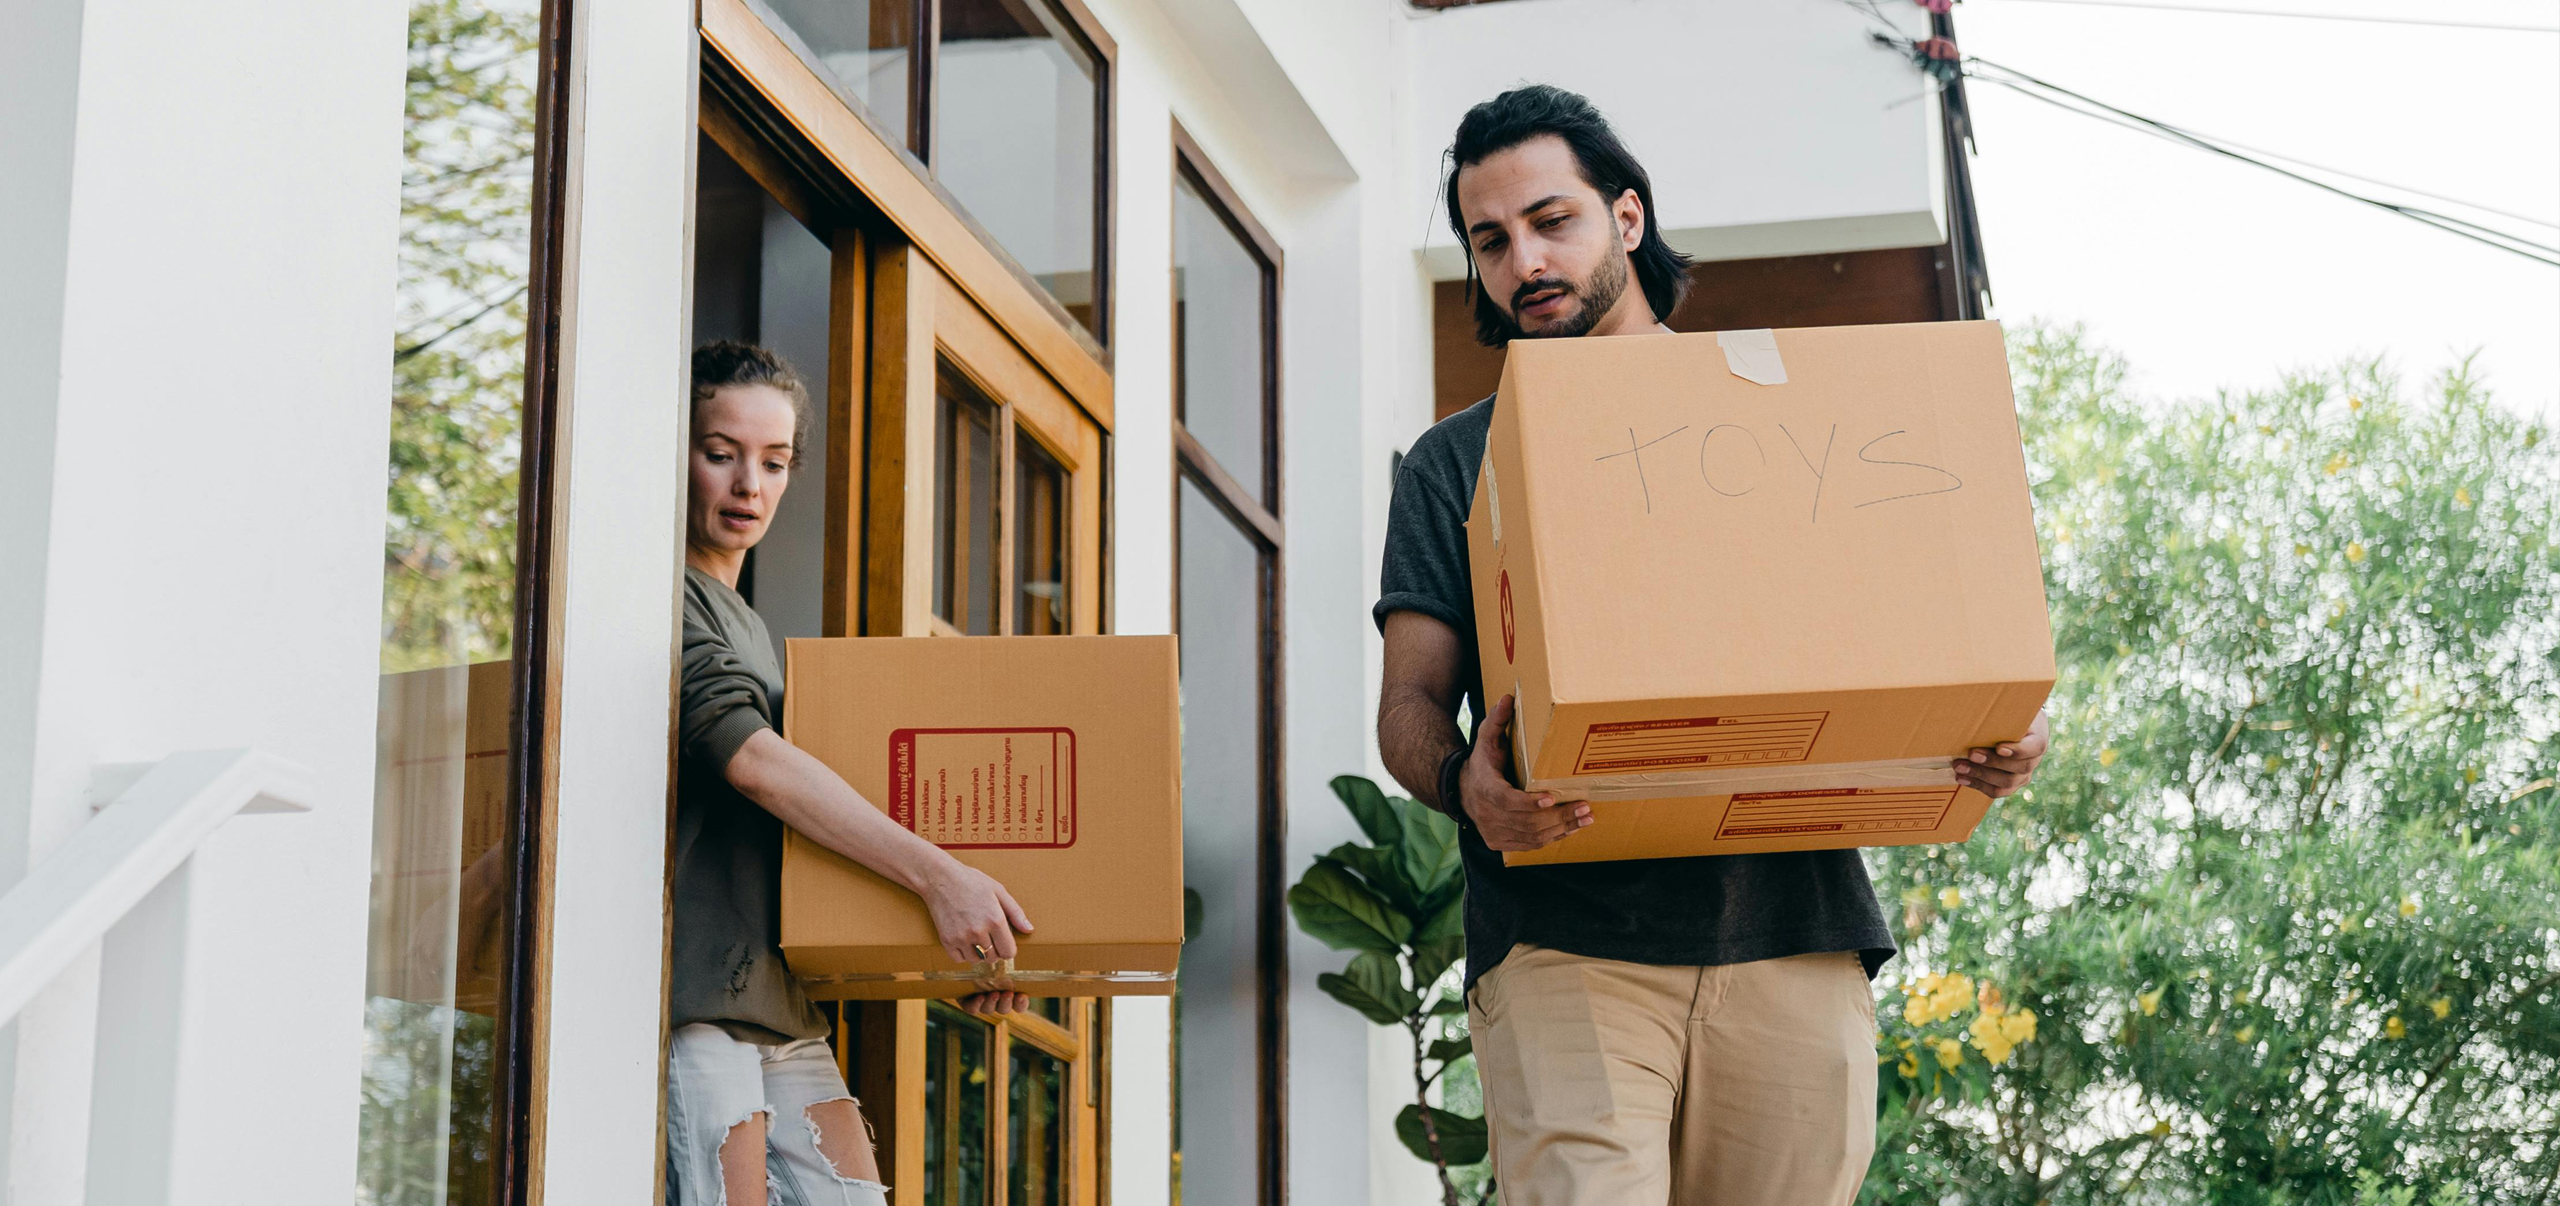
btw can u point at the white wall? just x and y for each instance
(196, 550)
(1770, 127)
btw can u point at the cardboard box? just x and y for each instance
(1051, 763)
(1757, 590)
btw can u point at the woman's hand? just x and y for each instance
(988, 1004)
(972, 913)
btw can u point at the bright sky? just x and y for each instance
(2206, 272)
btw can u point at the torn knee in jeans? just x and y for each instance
(743, 1180)
(843, 1138)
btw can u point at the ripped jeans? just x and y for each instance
(715, 1082)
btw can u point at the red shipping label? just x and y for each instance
(981, 789)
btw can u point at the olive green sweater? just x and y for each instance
(727, 868)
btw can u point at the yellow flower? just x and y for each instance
(2354, 402)
(2160, 1130)
(2151, 1001)
(2470, 774)
(2107, 756)
(2243, 997)
(2355, 551)
(2440, 1007)
(2274, 761)
(1949, 898)
(2018, 1026)
(2461, 496)
(2408, 906)
(2245, 1033)
(2394, 1028)
(1950, 1052)
(1909, 1068)
(2335, 464)
(2348, 923)
(1991, 999)
(2302, 550)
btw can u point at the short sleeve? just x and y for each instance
(1424, 568)
(724, 701)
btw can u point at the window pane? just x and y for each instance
(864, 46)
(1222, 622)
(1040, 539)
(956, 1113)
(965, 486)
(1015, 98)
(760, 277)
(440, 869)
(1218, 315)
(1036, 1129)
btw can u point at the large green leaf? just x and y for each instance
(1427, 851)
(1434, 957)
(1378, 867)
(1449, 922)
(1462, 1140)
(1452, 1048)
(1374, 985)
(1369, 806)
(1343, 914)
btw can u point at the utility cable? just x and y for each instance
(2273, 12)
(2037, 89)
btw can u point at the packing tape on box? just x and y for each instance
(1753, 356)
(994, 977)
(1831, 776)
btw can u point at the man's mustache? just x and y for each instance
(1520, 296)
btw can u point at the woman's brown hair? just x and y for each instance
(726, 362)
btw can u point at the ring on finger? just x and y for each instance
(981, 948)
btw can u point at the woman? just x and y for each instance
(756, 1112)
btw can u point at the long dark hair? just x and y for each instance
(1608, 167)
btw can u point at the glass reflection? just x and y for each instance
(956, 1108)
(435, 935)
(1016, 103)
(863, 47)
(1219, 308)
(1039, 539)
(965, 491)
(1035, 1128)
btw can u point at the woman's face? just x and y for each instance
(741, 464)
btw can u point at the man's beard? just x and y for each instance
(1599, 295)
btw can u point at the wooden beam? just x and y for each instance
(848, 412)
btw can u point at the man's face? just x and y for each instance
(1551, 252)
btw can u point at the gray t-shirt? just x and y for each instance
(726, 958)
(1682, 911)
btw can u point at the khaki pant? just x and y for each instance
(1626, 1084)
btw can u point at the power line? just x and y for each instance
(2037, 89)
(2271, 12)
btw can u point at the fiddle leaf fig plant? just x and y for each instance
(1398, 902)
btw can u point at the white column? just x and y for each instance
(623, 372)
(195, 302)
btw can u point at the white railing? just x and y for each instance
(76, 892)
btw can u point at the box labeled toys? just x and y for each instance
(1757, 590)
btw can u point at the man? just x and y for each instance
(1688, 1030)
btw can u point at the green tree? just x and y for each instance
(2285, 900)
(457, 360)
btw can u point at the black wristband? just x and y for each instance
(1452, 772)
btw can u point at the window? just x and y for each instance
(1228, 1120)
(450, 977)
(1017, 120)
(1006, 109)
(965, 442)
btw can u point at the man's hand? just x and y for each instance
(1998, 771)
(1510, 819)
